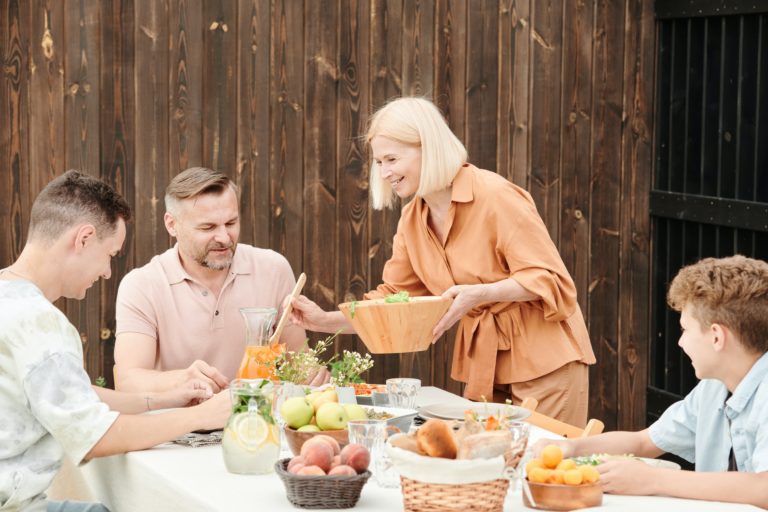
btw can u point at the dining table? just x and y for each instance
(175, 477)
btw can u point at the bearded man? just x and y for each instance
(177, 317)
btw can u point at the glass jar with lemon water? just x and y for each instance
(251, 441)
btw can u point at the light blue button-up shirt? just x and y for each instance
(697, 427)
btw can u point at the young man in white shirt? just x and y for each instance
(49, 407)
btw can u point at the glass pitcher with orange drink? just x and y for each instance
(259, 358)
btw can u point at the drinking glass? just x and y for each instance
(402, 392)
(372, 434)
(513, 457)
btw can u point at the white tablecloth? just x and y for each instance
(172, 477)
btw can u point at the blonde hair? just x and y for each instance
(730, 291)
(193, 182)
(416, 122)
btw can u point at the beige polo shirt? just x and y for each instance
(189, 322)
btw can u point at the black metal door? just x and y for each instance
(710, 192)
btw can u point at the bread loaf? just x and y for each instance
(435, 438)
(485, 445)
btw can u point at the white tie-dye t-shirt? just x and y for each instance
(47, 405)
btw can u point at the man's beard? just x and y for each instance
(202, 258)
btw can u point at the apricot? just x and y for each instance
(533, 463)
(573, 477)
(551, 455)
(356, 456)
(342, 470)
(539, 475)
(566, 464)
(589, 474)
(311, 471)
(556, 477)
(318, 454)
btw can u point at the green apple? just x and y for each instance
(327, 396)
(332, 416)
(355, 412)
(296, 412)
(308, 428)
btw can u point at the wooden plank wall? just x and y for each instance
(556, 96)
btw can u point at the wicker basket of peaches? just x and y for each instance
(554, 483)
(451, 467)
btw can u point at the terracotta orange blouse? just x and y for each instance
(494, 232)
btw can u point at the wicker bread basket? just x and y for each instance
(321, 491)
(430, 484)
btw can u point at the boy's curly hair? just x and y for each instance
(730, 291)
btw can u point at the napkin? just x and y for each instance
(195, 440)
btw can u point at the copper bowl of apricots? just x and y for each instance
(554, 483)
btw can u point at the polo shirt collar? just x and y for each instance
(748, 385)
(176, 274)
(461, 190)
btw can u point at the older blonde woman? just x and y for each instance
(472, 235)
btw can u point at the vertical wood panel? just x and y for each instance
(576, 150)
(418, 43)
(219, 85)
(286, 161)
(607, 130)
(253, 101)
(352, 177)
(482, 83)
(320, 145)
(186, 82)
(386, 64)
(14, 183)
(546, 50)
(46, 112)
(82, 140)
(520, 117)
(151, 88)
(117, 148)
(637, 160)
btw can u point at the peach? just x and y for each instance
(311, 471)
(331, 441)
(336, 461)
(342, 470)
(296, 460)
(296, 468)
(318, 454)
(312, 442)
(356, 456)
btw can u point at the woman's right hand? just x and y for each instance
(308, 315)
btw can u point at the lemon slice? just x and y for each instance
(250, 430)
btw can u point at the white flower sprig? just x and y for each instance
(297, 367)
(347, 370)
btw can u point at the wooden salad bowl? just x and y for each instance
(397, 327)
(563, 497)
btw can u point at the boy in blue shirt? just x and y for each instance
(722, 425)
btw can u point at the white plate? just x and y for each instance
(660, 463)
(456, 411)
(657, 463)
(401, 418)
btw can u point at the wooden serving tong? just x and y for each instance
(287, 311)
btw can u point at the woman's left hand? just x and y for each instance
(465, 297)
